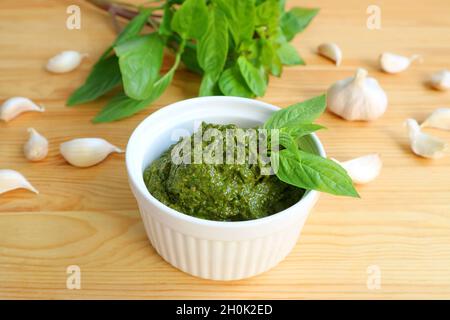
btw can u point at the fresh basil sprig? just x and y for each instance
(234, 44)
(105, 74)
(297, 167)
(121, 106)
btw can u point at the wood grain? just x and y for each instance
(88, 217)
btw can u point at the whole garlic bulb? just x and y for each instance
(65, 61)
(86, 152)
(36, 148)
(357, 98)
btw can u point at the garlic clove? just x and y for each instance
(394, 63)
(14, 106)
(439, 119)
(363, 169)
(441, 80)
(65, 61)
(423, 144)
(11, 180)
(36, 148)
(331, 51)
(86, 152)
(357, 98)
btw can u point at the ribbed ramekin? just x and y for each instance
(211, 249)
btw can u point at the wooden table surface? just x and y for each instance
(88, 217)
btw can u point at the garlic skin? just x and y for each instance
(65, 61)
(439, 119)
(86, 152)
(363, 169)
(393, 63)
(331, 51)
(357, 98)
(441, 80)
(14, 106)
(423, 144)
(11, 180)
(36, 148)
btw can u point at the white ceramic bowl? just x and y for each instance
(212, 249)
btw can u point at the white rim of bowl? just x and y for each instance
(143, 191)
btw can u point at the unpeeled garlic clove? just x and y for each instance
(423, 144)
(11, 180)
(441, 80)
(363, 169)
(394, 63)
(65, 61)
(14, 106)
(86, 152)
(36, 148)
(439, 119)
(331, 51)
(357, 98)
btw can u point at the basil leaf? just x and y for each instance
(118, 107)
(309, 171)
(288, 136)
(253, 76)
(190, 19)
(287, 141)
(212, 48)
(231, 83)
(134, 26)
(251, 49)
(299, 113)
(105, 75)
(122, 106)
(288, 55)
(132, 29)
(165, 28)
(241, 18)
(140, 60)
(296, 20)
(189, 58)
(270, 59)
(268, 14)
(209, 86)
(301, 130)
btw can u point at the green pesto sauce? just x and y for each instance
(221, 192)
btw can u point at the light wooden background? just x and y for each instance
(88, 217)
